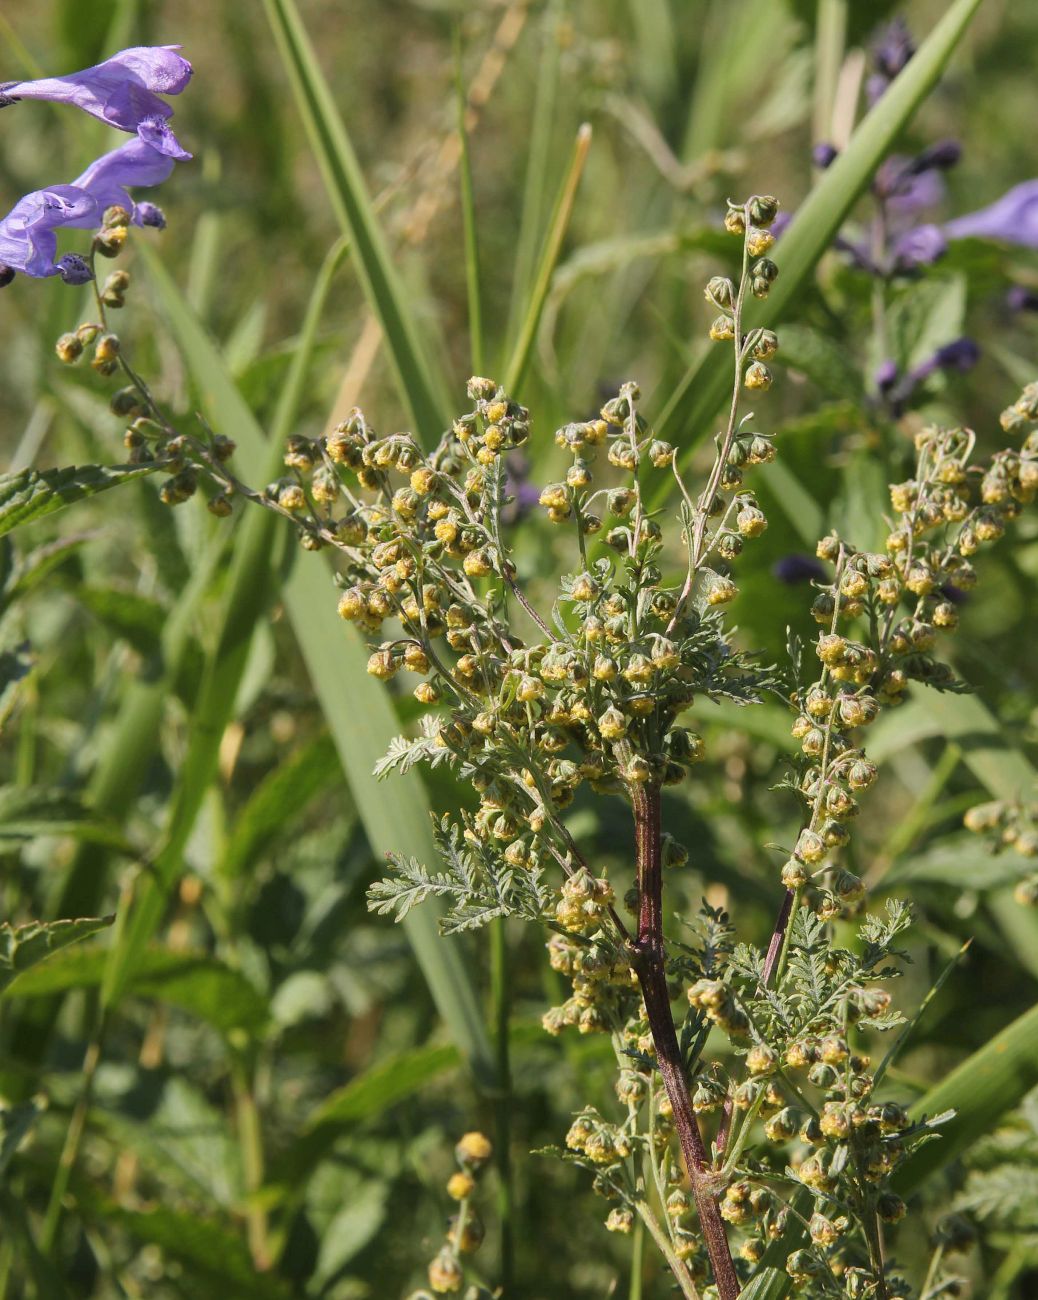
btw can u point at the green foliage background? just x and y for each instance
(280, 1078)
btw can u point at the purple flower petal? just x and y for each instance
(920, 246)
(123, 91)
(106, 180)
(28, 241)
(1013, 218)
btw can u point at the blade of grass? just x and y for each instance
(537, 170)
(468, 218)
(359, 714)
(690, 411)
(984, 1087)
(348, 194)
(516, 368)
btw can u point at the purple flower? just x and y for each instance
(123, 91)
(28, 234)
(28, 239)
(824, 154)
(1013, 218)
(886, 375)
(920, 246)
(890, 53)
(133, 163)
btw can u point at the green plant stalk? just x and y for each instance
(537, 169)
(634, 1291)
(347, 192)
(520, 358)
(468, 218)
(250, 1138)
(677, 1266)
(503, 1100)
(73, 1138)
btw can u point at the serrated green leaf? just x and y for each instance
(31, 493)
(25, 946)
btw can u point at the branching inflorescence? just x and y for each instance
(754, 1112)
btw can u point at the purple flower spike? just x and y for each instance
(1013, 219)
(123, 91)
(106, 180)
(28, 241)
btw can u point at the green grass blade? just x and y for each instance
(347, 191)
(358, 711)
(468, 218)
(537, 170)
(689, 414)
(983, 1088)
(520, 358)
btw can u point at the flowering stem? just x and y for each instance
(649, 962)
(677, 1266)
(503, 1100)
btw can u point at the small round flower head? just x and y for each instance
(473, 1150)
(445, 1273)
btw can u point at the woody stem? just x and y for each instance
(649, 962)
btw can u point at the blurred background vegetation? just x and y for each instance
(277, 1096)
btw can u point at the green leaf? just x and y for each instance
(923, 317)
(199, 984)
(348, 194)
(31, 493)
(689, 414)
(992, 1081)
(390, 1081)
(279, 800)
(821, 359)
(25, 946)
(27, 811)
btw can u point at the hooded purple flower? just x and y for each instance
(28, 238)
(1013, 218)
(123, 91)
(133, 163)
(28, 241)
